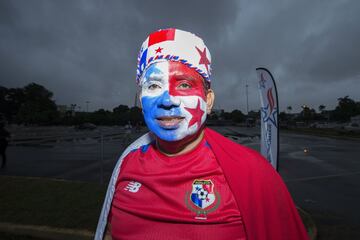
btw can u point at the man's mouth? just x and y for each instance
(169, 122)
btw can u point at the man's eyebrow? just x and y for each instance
(153, 79)
(184, 77)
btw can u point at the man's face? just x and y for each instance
(173, 99)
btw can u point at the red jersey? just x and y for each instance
(181, 197)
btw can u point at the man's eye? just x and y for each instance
(153, 87)
(184, 86)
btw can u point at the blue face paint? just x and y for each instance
(152, 71)
(169, 117)
(157, 103)
(161, 106)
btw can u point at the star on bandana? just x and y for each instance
(158, 50)
(196, 114)
(203, 59)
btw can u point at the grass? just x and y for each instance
(9, 236)
(77, 205)
(331, 226)
(54, 203)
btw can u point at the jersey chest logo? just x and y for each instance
(203, 198)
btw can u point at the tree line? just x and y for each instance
(345, 109)
(34, 105)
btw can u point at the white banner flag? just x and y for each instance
(269, 116)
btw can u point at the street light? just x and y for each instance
(87, 106)
(247, 99)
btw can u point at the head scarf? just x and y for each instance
(174, 45)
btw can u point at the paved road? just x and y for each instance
(71, 157)
(325, 181)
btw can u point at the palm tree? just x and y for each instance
(289, 108)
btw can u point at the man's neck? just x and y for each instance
(180, 147)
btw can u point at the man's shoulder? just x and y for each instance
(139, 151)
(220, 144)
(228, 143)
(139, 145)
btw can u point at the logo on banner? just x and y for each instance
(270, 111)
(269, 114)
(203, 199)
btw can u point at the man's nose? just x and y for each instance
(167, 101)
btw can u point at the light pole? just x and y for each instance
(73, 109)
(247, 99)
(136, 99)
(87, 106)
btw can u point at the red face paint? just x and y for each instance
(185, 81)
(173, 100)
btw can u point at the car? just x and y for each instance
(352, 127)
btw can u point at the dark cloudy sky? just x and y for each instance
(86, 50)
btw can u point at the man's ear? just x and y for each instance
(139, 98)
(140, 103)
(210, 98)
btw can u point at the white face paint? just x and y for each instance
(173, 100)
(155, 80)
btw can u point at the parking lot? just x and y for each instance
(322, 174)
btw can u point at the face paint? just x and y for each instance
(173, 100)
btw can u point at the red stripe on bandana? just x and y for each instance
(161, 36)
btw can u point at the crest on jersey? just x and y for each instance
(203, 198)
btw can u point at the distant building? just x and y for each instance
(62, 109)
(355, 119)
(65, 110)
(327, 114)
(218, 113)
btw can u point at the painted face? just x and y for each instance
(173, 100)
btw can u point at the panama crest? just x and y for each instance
(203, 198)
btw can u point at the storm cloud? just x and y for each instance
(86, 50)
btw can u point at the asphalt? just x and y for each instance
(324, 179)
(322, 174)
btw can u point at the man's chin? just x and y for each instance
(170, 134)
(166, 134)
(169, 127)
(174, 135)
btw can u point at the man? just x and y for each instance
(182, 180)
(4, 138)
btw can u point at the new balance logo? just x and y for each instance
(133, 187)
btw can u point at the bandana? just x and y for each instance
(174, 45)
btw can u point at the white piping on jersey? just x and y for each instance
(143, 140)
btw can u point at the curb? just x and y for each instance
(46, 232)
(309, 224)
